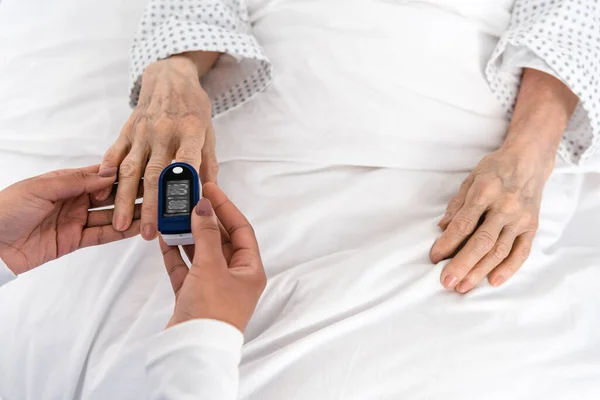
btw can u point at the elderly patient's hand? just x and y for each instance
(171, 121)
(227, 277)
(46, 217)
(497, 207)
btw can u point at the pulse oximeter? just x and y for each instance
(178, 192)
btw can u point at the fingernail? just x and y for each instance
(204, 208)
(450, 281)
(120, 222)
(107, 172)
(463, 287)
(148, 232)
(436, 257)
(497, 280)
(444, 218)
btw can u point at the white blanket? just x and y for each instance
(343, 167)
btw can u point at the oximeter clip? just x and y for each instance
(179, 190)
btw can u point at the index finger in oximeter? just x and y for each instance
(178, 192)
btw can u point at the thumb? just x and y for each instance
(65, 184)
(207, 236)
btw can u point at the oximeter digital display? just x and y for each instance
(178, 192)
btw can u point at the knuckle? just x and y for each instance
(122, 201)
(509, 207)
(210, 226)
(111, 155)
(188, 152)
(152, 174)
(139, 120)
(466, 184)
(463, 225)
(128, 169)
(232, 229)
(79, 176)
(480, 197)
(192, 123)
(484, 194)
(530, 222)
(163, 125)
(501, 251)
(483, 241)
(455, 204)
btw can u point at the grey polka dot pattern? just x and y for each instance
(565, 34)
(175, 26)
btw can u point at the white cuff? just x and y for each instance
(197, 359)
(518, 57)
(6, 275)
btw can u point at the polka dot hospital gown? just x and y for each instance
(560, 37)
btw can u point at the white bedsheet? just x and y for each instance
(353, 308)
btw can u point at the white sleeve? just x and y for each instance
(6, 275)
(197, 359)
(561, 38)
(175, 26)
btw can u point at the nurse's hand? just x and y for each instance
(171, 121)
(46, 217)
(226, 278)
(496, 212)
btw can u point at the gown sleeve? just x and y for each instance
(562, 38)
(170, 27)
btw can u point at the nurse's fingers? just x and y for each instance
(492, 259)
(518, 255)
(225, 245)
(235, 223)
(478, 245)
(177, 269)
(66, 184)
(207, 237)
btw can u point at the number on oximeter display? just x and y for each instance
(178, 198)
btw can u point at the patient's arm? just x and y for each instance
(506, 187)
(544, 107)
(499, 202)
(191, 59)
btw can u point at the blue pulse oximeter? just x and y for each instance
(178, 192)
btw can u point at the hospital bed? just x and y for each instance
(353, 308)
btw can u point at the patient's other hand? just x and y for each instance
(171, 121)
(46, 217)
(497, 210)
(226, 278)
